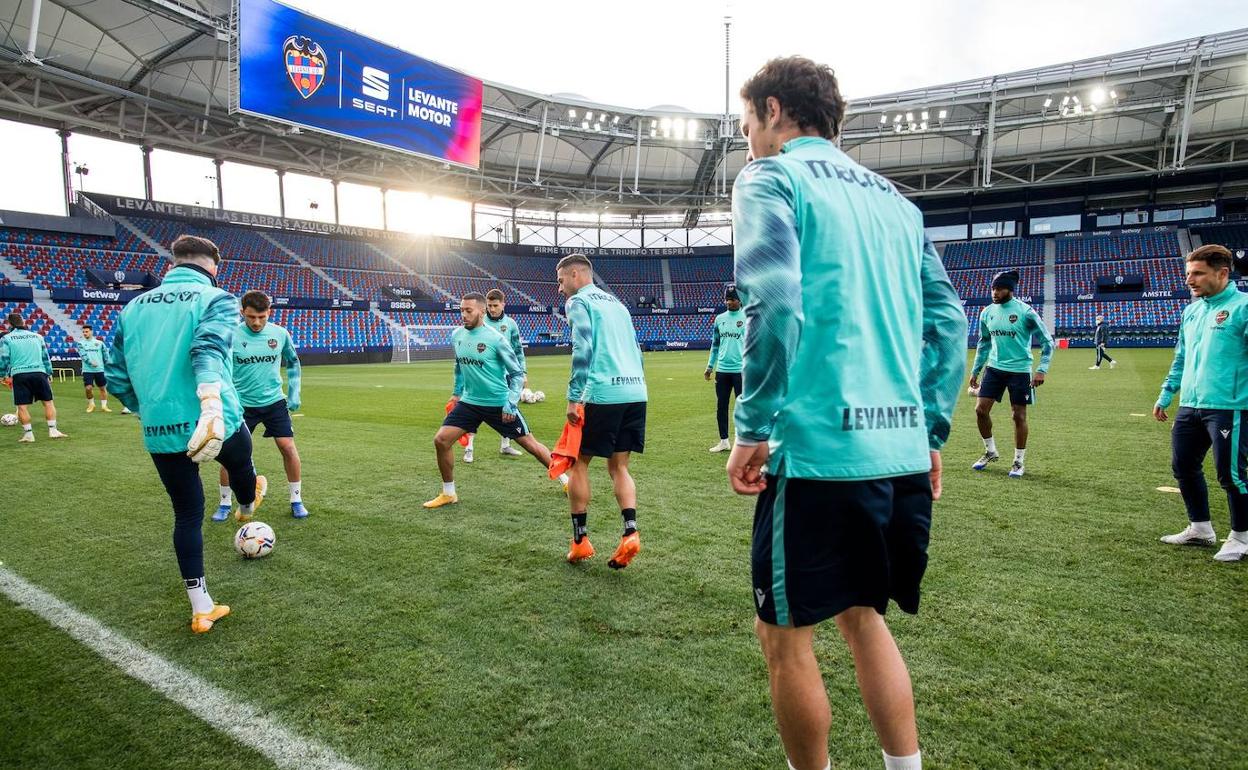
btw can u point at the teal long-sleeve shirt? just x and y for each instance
(93, 354)
(856, 339)
(167, 342)
(258, 361)
(727, 342)
(1211, 357)
(507, 326)
(22, 352)
(606, 361)
(1005, 334)
(486, 370)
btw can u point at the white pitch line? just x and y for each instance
(242, 721)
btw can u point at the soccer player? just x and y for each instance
(852, 367)
(171, 363)
(496, 318)
(260, 351)
(93, 354)
(727, 339)
(26, 366)
(1100, 338)
(488, 381)
(609, 381)
(1210, 368)
(1006, 328)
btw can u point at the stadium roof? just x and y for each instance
(158, 72)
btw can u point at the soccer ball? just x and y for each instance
(527, 396)
(973, 392)
(538, 396)
(254, 539)
(8, 420)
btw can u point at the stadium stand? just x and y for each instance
(975, 283)
(697, 294)
(673, 328)
(237, 243)
(630, 293)
(276, 280)
(1080, 277)
(47, 266)
(369, 284)
(333, 330)
(1118, 246)
(701, 269)
(1130, 316)
(532, 269)
(1012, 252)
(1232, 235)
(124, 240)
(38, 322)
(334, 252)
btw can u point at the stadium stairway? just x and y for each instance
(669, 296)
(511, 287)
(43, 299)
(10, 271)
(313, 268)
(143, 236)
(1050, 285)
(431, 287)
(1186, 242)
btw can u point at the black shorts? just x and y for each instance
(821, 547)
(276, 419)
(469, 417)
(94, 378)
(30, 387)
(611, 428)
(995, 383)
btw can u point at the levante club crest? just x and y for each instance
(305, 64)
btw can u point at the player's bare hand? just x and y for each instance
(508, 417)
(1159, 414)
(573, 417)
(746, 466)
(974, 383)
(707, 375)
(935, 475)
(1037, 380)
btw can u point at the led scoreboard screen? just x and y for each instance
(301, 70)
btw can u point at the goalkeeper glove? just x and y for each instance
(209, 433)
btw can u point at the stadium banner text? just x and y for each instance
(298, 69)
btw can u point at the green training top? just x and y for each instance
(168, 341)
(857, 340)
(1211, 358)
(21, 352)
(258, 361)
(606, 362)
(507, 326)
(727, 342)
(1005, 333)
(486, 370)
(92, 353)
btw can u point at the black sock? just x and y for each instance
(630, 520)
(579, 525)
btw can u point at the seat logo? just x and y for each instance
(376, 84)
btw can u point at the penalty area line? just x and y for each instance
(242, 721)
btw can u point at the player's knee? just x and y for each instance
(983, 409)
(442, 441)
(780, 645)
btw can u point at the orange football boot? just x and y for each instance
(580, 551)
(629, 546)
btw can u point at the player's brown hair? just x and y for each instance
(496, 294)
(190, 246)
(15, 320)
(475, 296)
(575, 259)
(807, 91)
(256, 300)
(1213, 255)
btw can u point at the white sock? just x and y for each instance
(90, 401)
(197, 592)
(246, 509)
(990, 445)
(296, 491)
(1203, 528)
(471, 438)
(912, 762)
(1018, 455)
(51, 424)
(225, 495)
(104, 402)
(506, 443)
(448, 488)
(28, 428)
(563, 478)
(1240, 536)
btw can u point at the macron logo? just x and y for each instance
(761, 596)
(376, 84)
(1225, 433)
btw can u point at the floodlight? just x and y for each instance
(571, 113)
(923, 115)
(909, 117)
(1113, 94)
(585, 124)
(691, 130)
(897, 118)
(1065, 100)
(923, 126)
(883, 119)
(1048, 102)
(1098, 95)
(943, 114)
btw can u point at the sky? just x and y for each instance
(641, 54)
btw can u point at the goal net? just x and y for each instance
(422, 342)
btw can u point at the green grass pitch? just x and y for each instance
(1055, 630)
